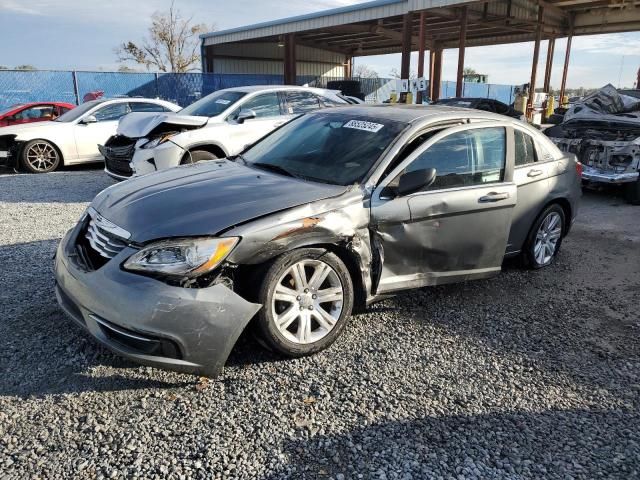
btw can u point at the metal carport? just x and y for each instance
(326, 42)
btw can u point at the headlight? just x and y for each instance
(184, 257)
(159, 140)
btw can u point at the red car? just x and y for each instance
(33, 112)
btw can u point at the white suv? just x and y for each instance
(219, 125)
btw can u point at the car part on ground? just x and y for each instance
(71, 138)
(223, 124)
(604, 133)
(335, 209)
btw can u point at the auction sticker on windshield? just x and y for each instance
(223, 101)
(362, 125)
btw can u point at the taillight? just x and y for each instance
(579, 169)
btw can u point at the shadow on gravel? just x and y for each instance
(580, 443)
(53, 187)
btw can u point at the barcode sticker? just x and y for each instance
(362, 125)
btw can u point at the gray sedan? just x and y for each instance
(323, 216)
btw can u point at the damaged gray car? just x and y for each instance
(603, 130)
(329, 213)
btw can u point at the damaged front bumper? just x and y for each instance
(188, 330)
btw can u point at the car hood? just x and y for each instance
(142, 124)
(202, 199)
(30, 129)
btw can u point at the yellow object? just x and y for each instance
(520, 102)
(550, 106)
(224, 247)
(394, 97)
(564, 101)
(409, 100)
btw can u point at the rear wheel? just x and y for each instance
(40, 156)
(632, 192)
(545, 237)
(198, 156)
(307, 297)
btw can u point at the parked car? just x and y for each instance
(216, 126)
(33, 112)
(486, 104)
(334, 210)
(71, 138)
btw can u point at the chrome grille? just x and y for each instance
(102, 242)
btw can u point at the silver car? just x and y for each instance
(327, 214)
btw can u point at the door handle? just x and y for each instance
(493, 197)
(534, 173)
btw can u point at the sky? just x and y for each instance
(82, 35)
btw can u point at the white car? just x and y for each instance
(219, 125)
(73, 137)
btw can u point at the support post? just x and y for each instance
(76, 91)
(432, 59)
(348, 68)
(547, 71)
(437, 73)
(289, 59)
(405, 65)
(536, 55)
(461, 45)
(565, 70)
(421, 40)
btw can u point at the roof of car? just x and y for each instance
(258, 88)
(414, 113)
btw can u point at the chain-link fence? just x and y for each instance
(17, 86)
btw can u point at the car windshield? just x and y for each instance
(328, 147)
(77, 112)
(213, 104)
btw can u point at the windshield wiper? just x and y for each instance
(274, 168)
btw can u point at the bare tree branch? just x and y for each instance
(172, 44)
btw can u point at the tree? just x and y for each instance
(126, 69)
(469, 71)
(26, 67)
(395, 74)
(364, 71)
(172, 46)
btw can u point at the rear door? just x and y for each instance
(531, 176)
(269, 116)
(457, 228)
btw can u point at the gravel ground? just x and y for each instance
(528, 375)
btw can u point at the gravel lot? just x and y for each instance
(528, 375)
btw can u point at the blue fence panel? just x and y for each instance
(18, 86)
(475, 90)
(504, 93)
(117, 84)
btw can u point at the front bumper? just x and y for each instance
(148, 321)
(591, 174)
(167, 155)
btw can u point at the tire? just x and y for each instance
(544, 234)
(198, 156)
(296, 308)
(632, 192)
(40, 156)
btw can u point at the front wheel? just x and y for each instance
(197, 156)
(545, 237)
(40, 156)
(307, 297)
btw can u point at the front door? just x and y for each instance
(269, 116)
(457, 228)
(89, 135)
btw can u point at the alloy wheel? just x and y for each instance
(41, 156)
(307, 301)
(547, 238)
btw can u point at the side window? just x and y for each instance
(39, 112)
(146, 107)
(524, 148)
(467, 158)
(112, 112)
(300, 102)
(544, 154)
(265, 105)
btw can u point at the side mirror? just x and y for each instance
(89, 119)
(415, 181)
(245, 115)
